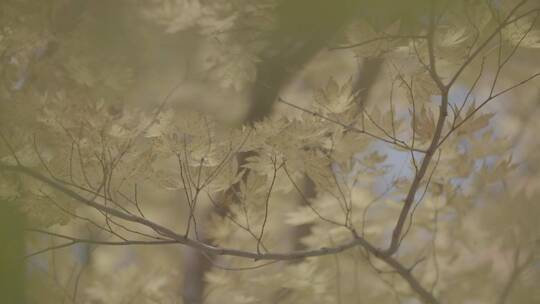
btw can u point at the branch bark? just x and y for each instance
(433, 146)
(200, 246)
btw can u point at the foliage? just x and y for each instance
(426, 193)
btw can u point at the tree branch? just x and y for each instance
(419, 175)
(174, 237)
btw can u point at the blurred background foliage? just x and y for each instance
(81, 75)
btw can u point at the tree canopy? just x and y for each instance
(272, 151)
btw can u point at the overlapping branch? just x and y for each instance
(173, 237)
(165, 235)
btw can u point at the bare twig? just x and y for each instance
(386, 37)
(392, 141)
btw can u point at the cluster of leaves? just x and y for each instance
(417, 195)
